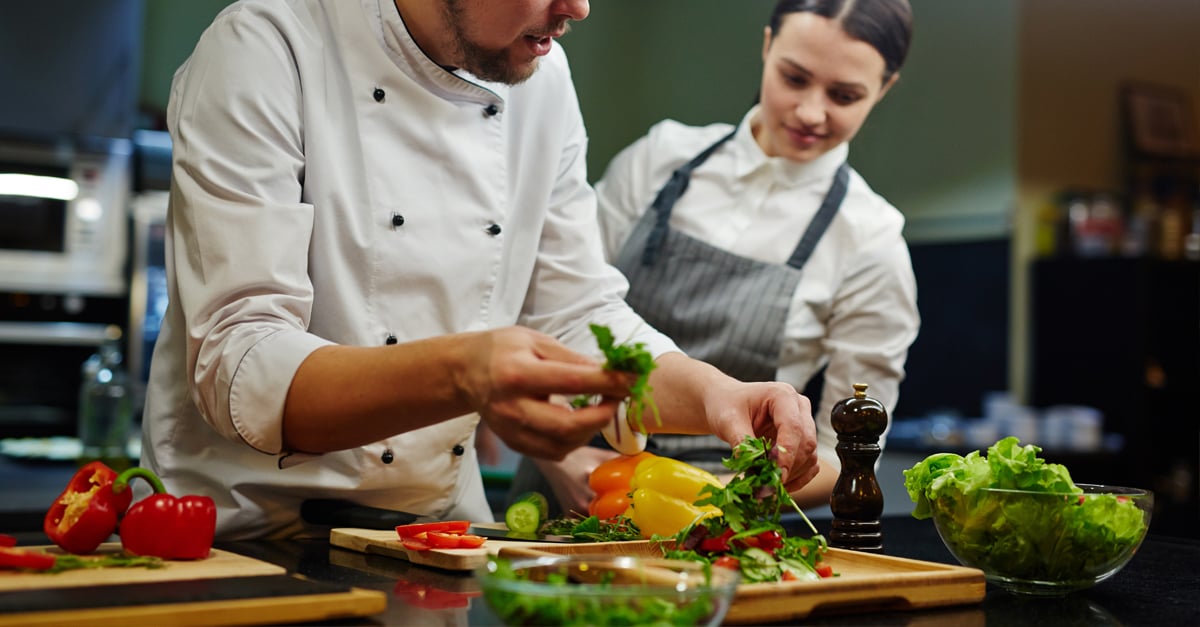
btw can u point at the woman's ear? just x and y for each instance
(766, 42)
(888, 85)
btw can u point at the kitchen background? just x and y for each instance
(1045, 153)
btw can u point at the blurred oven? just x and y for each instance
(63, 220)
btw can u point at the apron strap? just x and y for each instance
(665, 201)
(820, 222)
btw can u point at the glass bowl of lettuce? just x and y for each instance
(606, 590)
(1024, 522)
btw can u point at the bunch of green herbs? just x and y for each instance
(752, 504)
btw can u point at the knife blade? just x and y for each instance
(340, 513)
(500, 531)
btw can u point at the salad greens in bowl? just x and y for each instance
(606, 590)
(1024, 522)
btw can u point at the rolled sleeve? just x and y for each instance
(260, 385)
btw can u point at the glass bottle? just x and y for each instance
(105, 408)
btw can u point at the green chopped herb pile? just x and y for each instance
(592, 529)
(1043, 539)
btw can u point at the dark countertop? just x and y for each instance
(1158, 587)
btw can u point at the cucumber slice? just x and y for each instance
(526, 514)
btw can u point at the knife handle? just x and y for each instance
(341, 513)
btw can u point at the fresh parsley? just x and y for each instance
(627, 357)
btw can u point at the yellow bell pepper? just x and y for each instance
(664, 492)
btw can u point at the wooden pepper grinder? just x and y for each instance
(857, 502)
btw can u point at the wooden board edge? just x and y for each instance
(357, 602)
(771, 609)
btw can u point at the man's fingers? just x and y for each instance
(550, 431)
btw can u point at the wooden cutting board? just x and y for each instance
(219, 564)
(386, 542)
(225, 588)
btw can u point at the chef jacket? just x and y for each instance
(332, 184)
(854, 311)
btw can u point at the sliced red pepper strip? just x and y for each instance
(824, 570)
(86, 512)
(165, 526)
(470, 541)
(439, 540)
(12, 557)
(415, 543)
(445, 526)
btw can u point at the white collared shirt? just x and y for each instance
(331, 184)
(855, 307)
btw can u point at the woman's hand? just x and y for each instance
(569, 478)
(695, 397)
(775, 411)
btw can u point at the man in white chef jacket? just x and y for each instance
(380, 233)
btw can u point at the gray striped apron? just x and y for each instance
(719, 307)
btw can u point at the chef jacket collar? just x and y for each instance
(749, 159)
(453, 85)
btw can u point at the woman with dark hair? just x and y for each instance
(756, 246)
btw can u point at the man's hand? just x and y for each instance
(512, 378)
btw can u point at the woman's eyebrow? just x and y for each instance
(796, 67)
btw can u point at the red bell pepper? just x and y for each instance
(86, 512)
(162, 525)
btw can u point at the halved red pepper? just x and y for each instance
(87, 511)
(165, 526)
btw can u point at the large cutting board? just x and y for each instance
(225, 588)
(866, 582)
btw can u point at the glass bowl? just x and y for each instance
(606, 590)
(1045, 543)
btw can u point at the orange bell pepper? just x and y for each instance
(610, 482)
